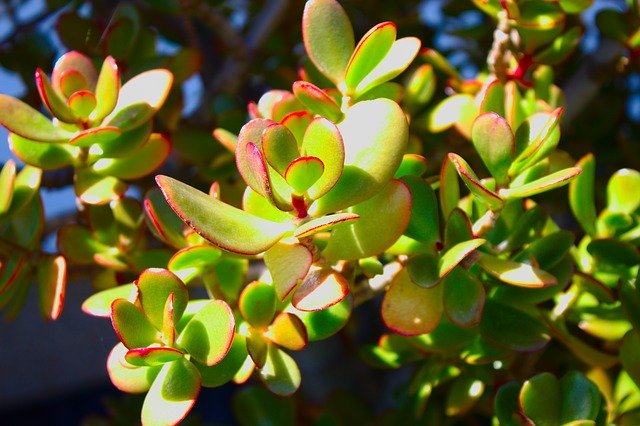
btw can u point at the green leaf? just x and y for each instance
(51, 99)
(224, 371)
(155, 285)
(493, 200)
(280, 373)
(493, 100)
(493, 139)
(373, 153)
(132, 326)
(107, 89)
(463, 297)
(287, 264)
(320, 288)
(78, 244)
(127, 377)
(423, 224)
(172, 394)
(324, 223)
(99, 304)
(152, 356)
(544, 184)
(328, 37)
(74, 62)
(21, 119)
(371, 49)
(506, 404)
(613, 254)
(52, 281)
(279, 147)
(459, 110)
(95, 135)
(227, 227)
(613, 24)
(540, 399)
(7, 179)
(46, 156)
(622, 191)
(257, 205)
(409, 309)
(139, 163)
(124, 144)
(548, 250)
(326, 322)
(420, 88)
(303, 172)
(423, 269)
(581, 398)
(323, 140)
(130, 117)
(288, 331)
(82, 103)
(515, 273)
(150, 87)
(411, 165)
(575, 6)
(463, 395)
(162, 220)
(561, 47)
(383, 218)
(582, 193)
(397, 59)
(449, 189)
(207, 336)
(536, 138)
(317, 101)
(458, 229)
(190, 262)
(257, 304)
(456, 254)
(630, 354)
(93, 188)
(512, 327)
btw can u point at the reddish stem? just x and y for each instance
(299, 206)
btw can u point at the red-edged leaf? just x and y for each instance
(127, 377)
(52, 280)
(317, 101)
(51, 99)
(27, 122)
(287, 264)
(132, 326)
(321, 288)
(142, 357)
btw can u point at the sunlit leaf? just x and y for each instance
(107, 89)
(127, 377)
(320, 289)
(515, 273)
(51, 99)
(493, 139)
(155, 285)
(468, 176)
(27, 122)
(280, 374)
(622, 191)
(52, 281)
(139, 163)
(287, 264)
(371, 49)
(544, 184)
(132, 326)
(317, 101)
(257, 304)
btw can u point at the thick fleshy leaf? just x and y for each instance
(458, 229)
(613, 254)
(317, 101)
(516, 273)
(456, 254)
(150, 87)
(99, 304)
(321, 288)
(560, 48)
(328, 37)
(155, 285)
(423, 269)
(46, 156)
(323, 140)
(78, 244)
(132, 326)
(279, 147)
(328, 321)
(107, 89)
(51, 99)
(10, 271)
(411, 165)
(622, 191)
(27, 122)
(257, 347)
(540, 399)
(547, 251)
(409, 309)
(249, 158)
(156, 355)
(511, 327)
(468, 176)
(536, 138)
(459, 110)
(423, 223)
(52, 281)
(371, 49)
(303, 172)
(463, 297)
(77, 62)
(227, 227)
(420, 88)
(493, 139)
(288, 331)
(189, 262)
(582, 193)
(375, 135)
(397, 59)
(225, 370)
(162, 220)
(7, 178)
(82, 103)
(297, 123)
(280, 373)
(544, 184)
(581, 398)
(72, 81)
(139, 163)
(130, 117)
(208, 335)
(172, 394)
(95, 135)
(287, 264)
(257, 205)
(257, 304)
(383, 218)
(324, 223)
(123, 145)
(449, 189)
(492, 98)
(463, 395)
(93, 188)
(127, 377)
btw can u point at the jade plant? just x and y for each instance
(329, 199)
